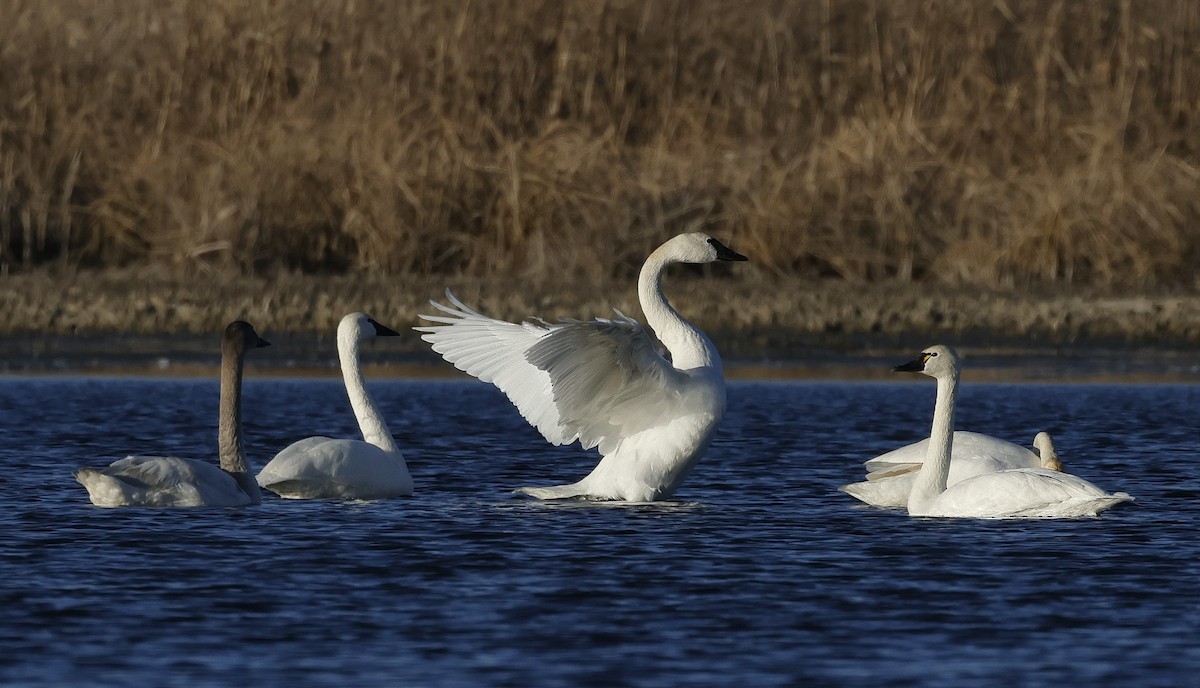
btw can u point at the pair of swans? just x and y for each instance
(968, 475)
(603, 383)
(890, 476)
(316, 467)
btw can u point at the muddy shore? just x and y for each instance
(152, 323)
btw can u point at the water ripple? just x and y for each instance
(761, 573)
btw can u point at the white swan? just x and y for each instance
(172, 481)
(890, 476)
(324, 468)
(1009, 493)
(604, 382)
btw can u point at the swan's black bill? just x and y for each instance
(914, 366)
(383, 330)
(724, 252)
(261, 343)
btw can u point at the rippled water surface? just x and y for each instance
(761, 574)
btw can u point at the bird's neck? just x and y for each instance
(375, 431)
(931, 479)
(229, 424)
(689, 347)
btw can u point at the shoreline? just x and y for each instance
(192, 356)
(142, 322)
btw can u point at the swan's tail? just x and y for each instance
(1083, 507)
(1118, 497)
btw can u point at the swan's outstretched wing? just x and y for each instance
(494, 351)
(594, 381)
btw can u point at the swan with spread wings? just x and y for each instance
(603, 382)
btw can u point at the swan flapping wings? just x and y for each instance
(604, 382)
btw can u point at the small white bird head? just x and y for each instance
(1046, 451)
(361, 326)
(698, 247)
(937, 361)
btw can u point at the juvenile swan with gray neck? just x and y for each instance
(604, 382)
(171, 481)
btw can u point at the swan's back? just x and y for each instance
(328, 468)
(161, 481)
(1024, 493)
(989, 452)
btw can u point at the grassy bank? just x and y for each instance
(749, 317)
(1015, 144)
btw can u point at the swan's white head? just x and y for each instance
(1046, 451)
(938, 361)
(360, 326)
(240, 337)
(698, 247)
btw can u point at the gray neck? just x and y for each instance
(229, 423)
(931, 479)
(375, 431)
(690, 348)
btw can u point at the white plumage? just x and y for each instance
(1008, 493)
(172, 481)
(890, 476)
(604, 383)
(326, 468)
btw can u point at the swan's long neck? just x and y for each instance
(931, 479)
(689, 347)
(229, 423)
(374, 429)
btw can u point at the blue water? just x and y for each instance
(761, 574)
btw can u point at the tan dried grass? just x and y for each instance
(1009, 144)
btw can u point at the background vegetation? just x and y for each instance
(1005, 143)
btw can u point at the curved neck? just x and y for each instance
(374, 429)
(931, 479)
(229, 424)
(689, 347)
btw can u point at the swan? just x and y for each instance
(604, 382)
(1008, 493)
(172, 481)
(890, 476)
(324, 468)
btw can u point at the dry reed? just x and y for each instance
(1006, 143)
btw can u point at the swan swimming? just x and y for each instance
(890, 476)
(172, 481)
(1008, 493)
(604, 382)
(325, 468)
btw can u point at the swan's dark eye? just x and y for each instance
(929, 355)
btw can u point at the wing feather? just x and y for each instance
(494, 351)
(608, 379)
(596, 381)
